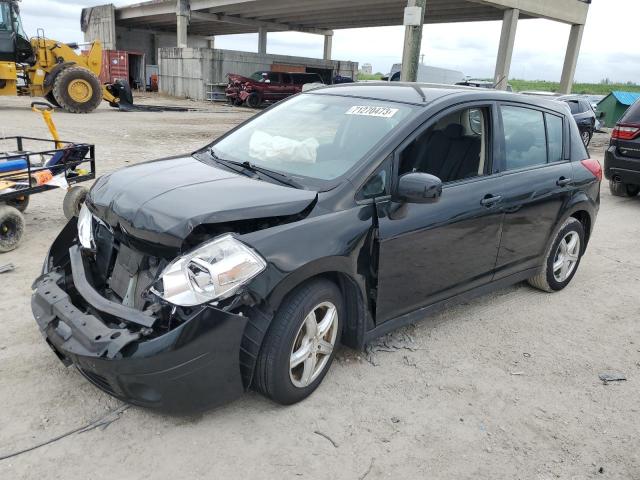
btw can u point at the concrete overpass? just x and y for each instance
(210, 18)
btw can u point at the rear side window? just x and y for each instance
(554, 137)
(274, 77)
(525, 137)
(633, 114)
(574, 106)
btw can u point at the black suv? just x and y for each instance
(330, 218)
(622, 158)
(583, 114)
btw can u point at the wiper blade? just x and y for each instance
(280, 177)
(245, 167)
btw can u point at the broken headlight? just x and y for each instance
(213, 271)
(85, 227)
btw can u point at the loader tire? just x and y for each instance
(51, 99)
(77, 90)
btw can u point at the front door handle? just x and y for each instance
(563, 181)
(490, 200)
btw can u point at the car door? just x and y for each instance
(430, 252)
(536, 183)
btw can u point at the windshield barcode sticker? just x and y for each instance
(384, 112)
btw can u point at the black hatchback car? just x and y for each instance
(622, 158)
(331, 218)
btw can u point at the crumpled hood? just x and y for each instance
(164, 200)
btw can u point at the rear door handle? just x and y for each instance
(490, 200)
(563, 181)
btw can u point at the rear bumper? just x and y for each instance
(192, 367)
(621, 168)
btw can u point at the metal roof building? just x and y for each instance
(192, 22)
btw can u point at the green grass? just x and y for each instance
(364, 76)
(583, 88)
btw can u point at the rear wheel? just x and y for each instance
(300, 344)
(73, 201)
(620, 189)
(11, 228)
(77, 90)
(562, 259)
(51, 99)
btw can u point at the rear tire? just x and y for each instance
(291, 339)
(620, 189)
(553, 276)
(77, 90)
(11, 228)
(51, 99)
(73, 201)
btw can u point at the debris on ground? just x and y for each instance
(607, 377)
(324, 435)
(9, 267)
(392, 342)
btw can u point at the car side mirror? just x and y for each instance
(267, 81)
(418, 187)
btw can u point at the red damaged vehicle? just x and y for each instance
(266, 86)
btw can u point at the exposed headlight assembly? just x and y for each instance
(213, 271)
(85, 227)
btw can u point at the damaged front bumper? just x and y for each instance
(193, 366)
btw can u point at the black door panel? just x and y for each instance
(430, 252)
(532, 201)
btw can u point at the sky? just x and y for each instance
(468, 47)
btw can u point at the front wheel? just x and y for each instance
(562, 259)
(300, 344)
(253, 100)
(77, 90)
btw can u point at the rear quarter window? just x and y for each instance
(633, 114)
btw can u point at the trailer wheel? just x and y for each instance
(77, 90)
(20, 203)
(73, 201)
(11, 228)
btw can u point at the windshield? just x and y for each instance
(316, 136)
(5, 18)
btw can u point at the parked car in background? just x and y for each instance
(583, 113)
(427, 74)
(622, 158)
(482, 84)
(265, 86)
(332, 218)
(594, 100)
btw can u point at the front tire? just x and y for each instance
(562, 259)
(301, 342)
(253, 100)
(77, 90)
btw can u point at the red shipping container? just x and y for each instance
(115, 66)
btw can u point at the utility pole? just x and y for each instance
(413, 20)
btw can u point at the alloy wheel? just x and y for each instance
(566, 257)
(314, 344)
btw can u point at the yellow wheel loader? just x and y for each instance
(41, 67)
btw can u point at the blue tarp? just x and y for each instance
(626, 98)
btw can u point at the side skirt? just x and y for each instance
(421, 313)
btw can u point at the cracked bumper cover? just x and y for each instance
(193, 366)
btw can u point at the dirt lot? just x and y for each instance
(503, 387)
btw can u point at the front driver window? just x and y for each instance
(452, 149)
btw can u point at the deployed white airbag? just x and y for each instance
(263, 146)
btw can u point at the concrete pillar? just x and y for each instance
(571, 58)
(182, 22)
(412, 44)
(262, 40)
(212, 42)
(505, 50)
(328, 44)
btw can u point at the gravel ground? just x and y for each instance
(503, 387)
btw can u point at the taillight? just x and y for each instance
(594, 167)
(625, 132)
